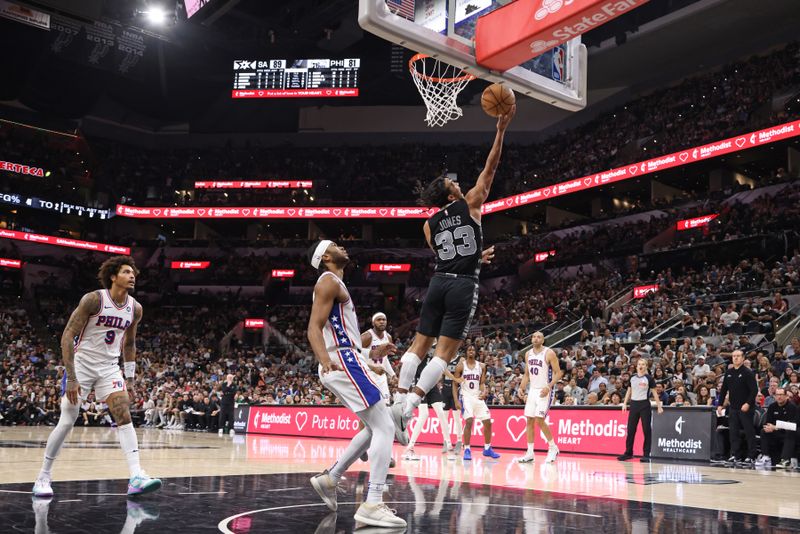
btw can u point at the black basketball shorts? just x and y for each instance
(448, 307)
(449, 400)
(433, 396)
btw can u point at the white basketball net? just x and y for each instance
(439, 85)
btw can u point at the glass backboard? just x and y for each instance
(445, 30)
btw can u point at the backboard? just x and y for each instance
(445, 29)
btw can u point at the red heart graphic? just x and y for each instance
(632, 169)
(740, 142)
(431, 211)
(290, 212)
(509, 201)
(337, 212)
(382, 211)
(261, 93)
(201, 212)
(546, 192)
(587, 181)
(156, 212)
(246, 212)
(684, 156)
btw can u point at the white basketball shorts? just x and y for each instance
(536, 405)
(473, 407)
(103, 379)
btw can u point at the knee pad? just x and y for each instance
(410, 357)
(69, 411)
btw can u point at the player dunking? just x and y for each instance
(455, 235)
(472, 403)
(101, 327)
(542, 372)
(336, 342)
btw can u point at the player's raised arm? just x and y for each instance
(88, 306)
(325, 293)
(480, 192)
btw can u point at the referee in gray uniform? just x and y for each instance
(642, 386)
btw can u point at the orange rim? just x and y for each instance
(434, 79)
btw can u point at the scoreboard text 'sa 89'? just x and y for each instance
(304, 78)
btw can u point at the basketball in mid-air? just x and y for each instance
(497, 100)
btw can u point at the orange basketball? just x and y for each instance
(497, 100)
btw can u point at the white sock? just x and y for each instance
(438, 408)
(487, 446)
(408, 370)
(458, 429)
(422, 417)
(69, 412)
(530, 449)
(130, 446)
(466, 447)
(379, 420)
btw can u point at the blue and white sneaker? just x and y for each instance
(468, 454)
(142, 483)
(490, 453)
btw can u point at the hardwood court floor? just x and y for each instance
(260, 484)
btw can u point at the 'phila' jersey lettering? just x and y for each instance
(457, 239)
(472, 379)
(101, 339)
(540, 373)
(378, 341)
(341, 330)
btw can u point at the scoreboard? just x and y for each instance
(304, 78)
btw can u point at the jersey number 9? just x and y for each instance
(110, 337)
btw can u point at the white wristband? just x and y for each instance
(130, 369)
(786, 425)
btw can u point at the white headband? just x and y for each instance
(319, 251)
(378, 316)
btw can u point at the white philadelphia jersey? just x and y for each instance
(341, 330)
(377, 342)
(472, 379)
(540, 373)
(100, 341)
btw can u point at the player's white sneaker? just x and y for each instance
(410, 455)
(552, 454)
(378, 515)
(220, 432)
(42, 488)
(325, 487)
(446, 447)
(528, 458)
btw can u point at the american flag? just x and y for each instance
(404, 8)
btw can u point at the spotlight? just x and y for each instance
(156, 15)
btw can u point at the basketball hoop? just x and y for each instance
(439, 85)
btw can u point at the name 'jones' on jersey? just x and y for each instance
(101, 338)
(457, 239)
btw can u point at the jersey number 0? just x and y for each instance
(445, 241)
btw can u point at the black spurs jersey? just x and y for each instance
(457, 240)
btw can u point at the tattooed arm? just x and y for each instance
(88, 306)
